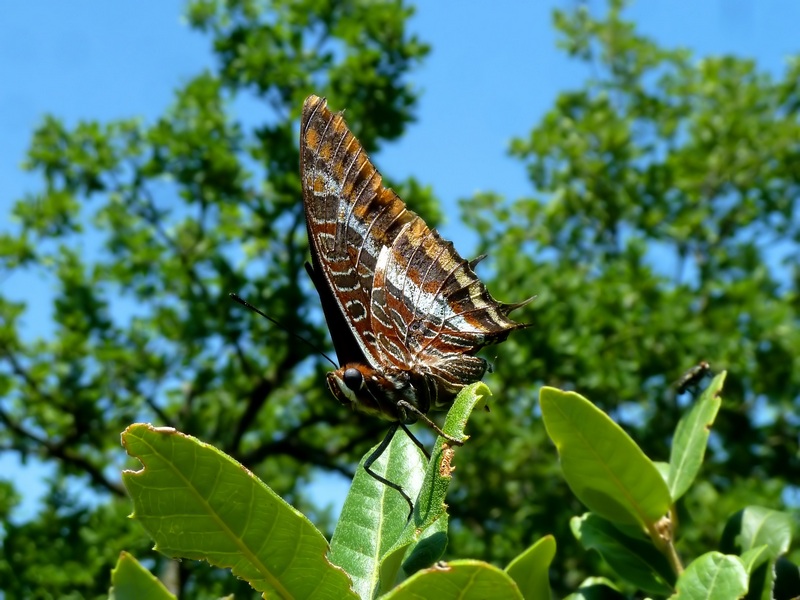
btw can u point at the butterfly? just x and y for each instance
(405, 312)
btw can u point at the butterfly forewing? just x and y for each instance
(344, 213)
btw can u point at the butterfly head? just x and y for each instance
(347, 384)
(369, 391)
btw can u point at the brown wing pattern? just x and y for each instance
(346, 210)
(412, 301)
(432, 306)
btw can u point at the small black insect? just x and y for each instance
(693, 377)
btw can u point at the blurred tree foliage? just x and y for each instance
(666, 232)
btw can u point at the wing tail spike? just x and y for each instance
(474, 262)
(509, 308)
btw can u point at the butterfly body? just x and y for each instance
(406, 313)
(380, 394)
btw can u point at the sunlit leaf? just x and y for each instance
(458, 580)
(604, 467)
(198, 503)
(691, 438)
(131, 581)
(713, 576)
(531, 569)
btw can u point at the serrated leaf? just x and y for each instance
(531, 569)
(603, 466)
(458, 580)
(691, 439)
(198, 503)
(131, 581)
(712, 576)
(635, 560)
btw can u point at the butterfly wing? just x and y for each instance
(436, 309)
(411, 301)
(349, 215)
(345, 343)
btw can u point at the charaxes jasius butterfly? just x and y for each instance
(406, 313)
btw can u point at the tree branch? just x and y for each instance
(63, 453)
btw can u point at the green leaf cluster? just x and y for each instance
(198, 503)
(633, 523)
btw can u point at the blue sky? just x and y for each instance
(491, 75)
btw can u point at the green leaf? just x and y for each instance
(131, 581)
(530, 570)
(596, 588)
(426, 549)
(425, 538)
(458, 580)
(374, 515)
(754, 558)
(755, 529)
(373, 538)
(603, 466)
(431, 505)
(712, 576)
(635, 560)
(755, 526)
(691, 439)
(198, 503)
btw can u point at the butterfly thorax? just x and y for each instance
(380, 393)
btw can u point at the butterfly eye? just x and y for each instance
(352, 379)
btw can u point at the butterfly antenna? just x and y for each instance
(311, 345)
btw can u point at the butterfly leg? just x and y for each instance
(417, 443)
(424, 418)
(387, 439)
